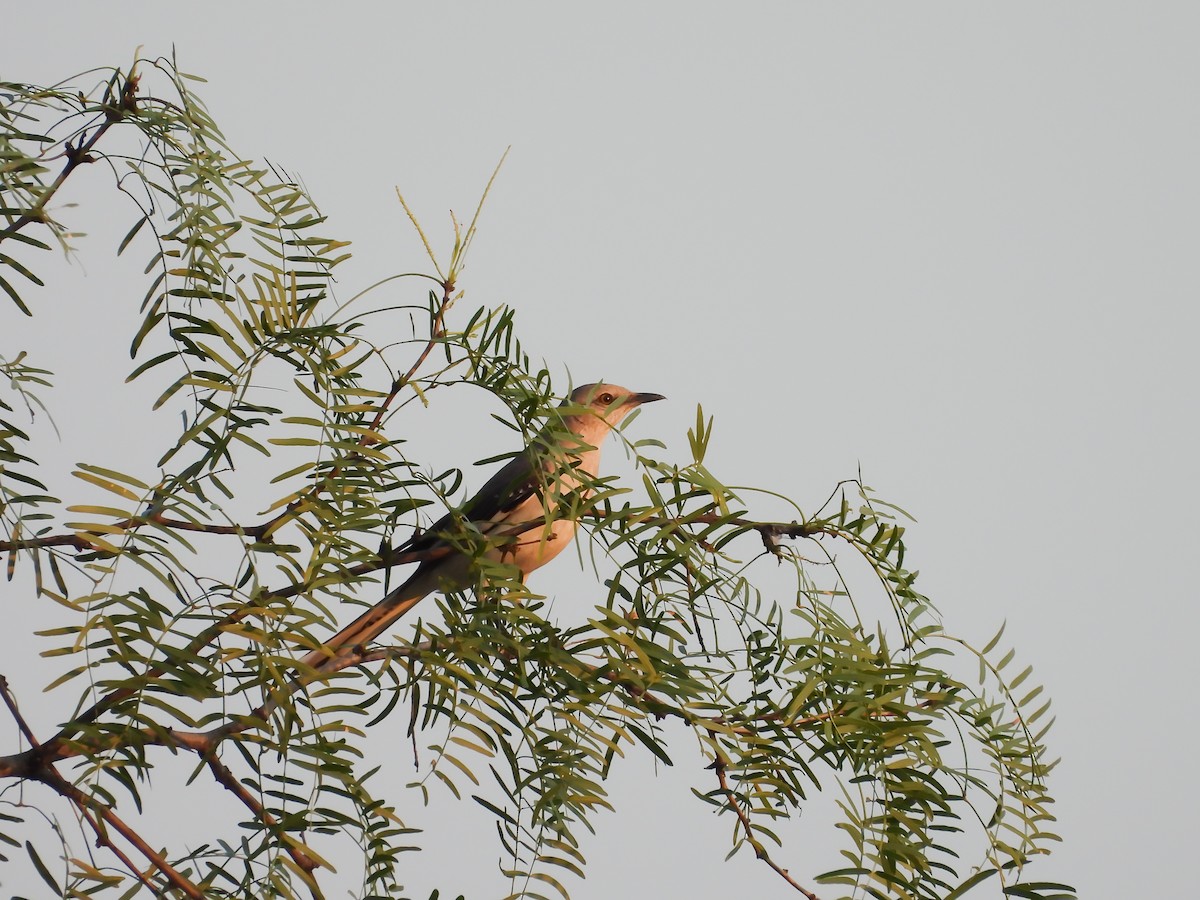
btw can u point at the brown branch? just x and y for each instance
(50, 540)
(770, 532)
(227, 780)
(38, 763)
(87, 805)
(719, 765)
(61, 745)
(78, 155)
(103, 841)
(435, 334)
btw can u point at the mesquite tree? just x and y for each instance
(187, 593)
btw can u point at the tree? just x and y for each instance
(192, 591)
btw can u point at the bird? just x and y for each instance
(524, 515)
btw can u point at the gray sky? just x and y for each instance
(946, 241)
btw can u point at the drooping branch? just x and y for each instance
(262, 530)
(719, 766)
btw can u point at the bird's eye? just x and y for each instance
(606, 399)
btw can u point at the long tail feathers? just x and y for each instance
(372, 623)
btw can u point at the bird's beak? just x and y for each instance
(639, 399)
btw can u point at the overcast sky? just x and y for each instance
(953, 243)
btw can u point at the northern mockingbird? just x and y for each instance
(514, 518)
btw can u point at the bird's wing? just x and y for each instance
(511, 486)
(514, 484)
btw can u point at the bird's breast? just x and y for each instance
(535, 545)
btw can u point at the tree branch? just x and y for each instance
(89, 805)
(89, 808)
(28, 763)
(226, 779)
(719, 765)
(78, 155)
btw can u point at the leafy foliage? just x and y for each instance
(195, 589)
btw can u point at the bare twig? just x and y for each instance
(11, 702)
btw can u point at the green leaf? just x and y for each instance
(131, 234)
(42, 870)
(977, 878)
(991, 645)
(649, 743)
(16, 298)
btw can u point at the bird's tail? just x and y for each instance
(348, 642)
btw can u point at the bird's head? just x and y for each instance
(610, 402)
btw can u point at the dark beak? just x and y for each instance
(647, 398)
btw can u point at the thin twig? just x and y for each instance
(85, 804)
(103, 841)
(11, 702)
(227, 780)
(719, 765)
(436, 333)
(78, 155)
(133, 523)
(90, 807)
